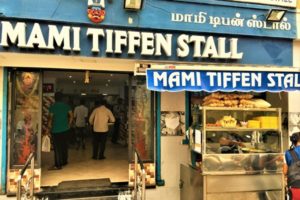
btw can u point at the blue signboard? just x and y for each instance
(211, 81)
(114, 42)
(205, 16)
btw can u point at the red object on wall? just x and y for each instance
(96, 15)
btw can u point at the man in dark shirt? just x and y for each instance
(60, 120)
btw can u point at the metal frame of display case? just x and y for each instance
(238, 184)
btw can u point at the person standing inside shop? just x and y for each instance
(60, 121)
(118, 110)
(294, 187)
(99, 119)
(80, 115)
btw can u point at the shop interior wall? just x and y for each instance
(281, 100)
(173, 152)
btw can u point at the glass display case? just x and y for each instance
(239, 146)
(240, 140)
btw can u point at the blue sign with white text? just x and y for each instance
(205, 16)
(81, 40)
(211, 81)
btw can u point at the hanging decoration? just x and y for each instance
(87, 77)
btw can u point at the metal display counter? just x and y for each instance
(238, 160)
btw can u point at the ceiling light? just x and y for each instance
(74, 82)
(104, 94)
(275, 15)
(70, 76)
(133, 4)
(106, 85)
(83, 94)
(111, 74)
(108, 80)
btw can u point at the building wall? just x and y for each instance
(173, 153)
(293, 97)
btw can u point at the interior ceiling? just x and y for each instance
(78, 77)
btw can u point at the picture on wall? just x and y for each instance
(172, 123)
(294, 122)
(25, 117)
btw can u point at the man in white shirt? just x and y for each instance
(80, 115)
(100, 118)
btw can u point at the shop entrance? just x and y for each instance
(30, 94)
(28, 114)
(85, 87)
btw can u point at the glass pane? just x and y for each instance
(242, 163)
(142, 136)
(242, 142)
(25, 117)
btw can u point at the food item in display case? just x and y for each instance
(230, 96)
(244, 123)
(214, 102)
(253, 124)
(245, 96)
(234, 100)
(213, 125)
(227, 122)
(246, 103)
(215, 95)
(260, 103)
(268, 121)
(231, 103)
(228, 100)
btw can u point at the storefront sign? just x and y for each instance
(220, 17)
(285, 3)
(115, 41)
(193, 80)
(43, 37)
(212, 18)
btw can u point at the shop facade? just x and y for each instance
(199, 35)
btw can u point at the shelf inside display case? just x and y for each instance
(239, 109)
(241, 129)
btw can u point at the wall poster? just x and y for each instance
(172, 123)
(25, 117)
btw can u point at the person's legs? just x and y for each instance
(82, 137)
(77, 135)
(65, 147)
(95, 145)
(57, 151)
(103, 137)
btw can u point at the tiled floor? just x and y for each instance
(82, 166)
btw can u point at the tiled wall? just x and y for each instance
(12, 179)
(150, 174)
